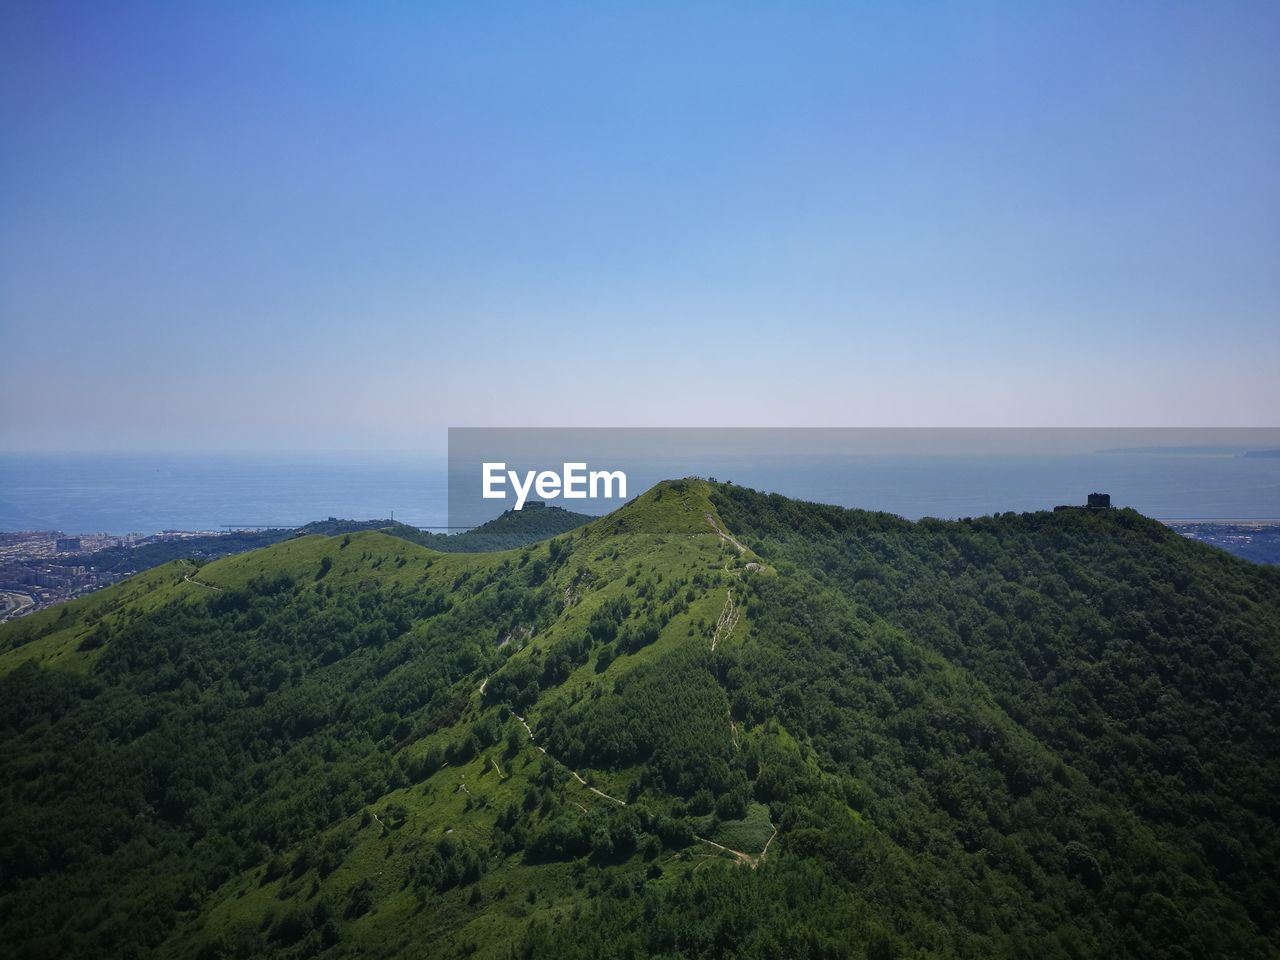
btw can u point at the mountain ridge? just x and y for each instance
(509, 529)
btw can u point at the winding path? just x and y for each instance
(200, 583)
(745, 859)
(728, 620)
(725, 535)
(577, 776)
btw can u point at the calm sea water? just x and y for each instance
(119, 494)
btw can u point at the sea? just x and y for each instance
(118, 494)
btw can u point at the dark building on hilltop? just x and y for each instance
(67, 544)
(1096, 501)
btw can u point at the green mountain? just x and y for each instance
(513, 528)
(714, 723)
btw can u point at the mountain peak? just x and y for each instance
(670, 506)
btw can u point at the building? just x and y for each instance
(1096, 501)
(68, 544)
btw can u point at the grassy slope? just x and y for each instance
(666, 535)
(51, 637)
(62, 628)
(511, 529)
(664, 531)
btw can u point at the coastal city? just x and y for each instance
(41, 568)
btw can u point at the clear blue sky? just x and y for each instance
(270, 225)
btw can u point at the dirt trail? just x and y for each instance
(200, 583)
(765, 852)
(601, 793)
(729, 617)
(731, 613)
(728, 620)
(745, 859)
(725, 535)
(574, 773)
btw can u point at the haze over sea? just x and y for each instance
(124, 493)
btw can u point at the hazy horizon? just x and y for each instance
(754, 440)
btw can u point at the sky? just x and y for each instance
(274, 226)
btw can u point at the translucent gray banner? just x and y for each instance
(1176, 473)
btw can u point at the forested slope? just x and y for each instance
(715, 723)
(1146, 661)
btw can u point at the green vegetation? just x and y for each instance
(750, 834)
(514, 528)
(714, 723)
(511, 529)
